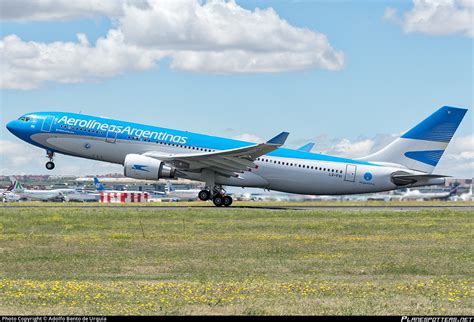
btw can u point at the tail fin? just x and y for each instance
(15, 187)
(421, 147)
(12, 185)
(307, 147)
(453, 191)
(169, 187)
(98, 185)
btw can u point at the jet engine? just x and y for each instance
(145, 168)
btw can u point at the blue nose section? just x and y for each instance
(12, 126)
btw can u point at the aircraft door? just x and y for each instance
(111, 136)
(351, 170)
(47, 124)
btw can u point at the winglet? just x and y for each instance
(307, 147)
(279, 139)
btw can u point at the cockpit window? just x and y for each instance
(24, 119)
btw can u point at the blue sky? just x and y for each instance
(391, 79)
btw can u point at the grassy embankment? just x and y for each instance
(238, 261)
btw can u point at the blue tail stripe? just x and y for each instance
(428, 157)
(98, 185)
(439, 126)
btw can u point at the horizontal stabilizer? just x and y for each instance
(407, 179)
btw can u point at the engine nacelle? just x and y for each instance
(145, 168)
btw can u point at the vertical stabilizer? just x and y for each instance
(98, 185)
(421, 147)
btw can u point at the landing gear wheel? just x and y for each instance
(218, 201)
(204, 195)
(227, 201)
(50, 165)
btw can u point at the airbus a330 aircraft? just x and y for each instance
(152, 153)
(181, 194)
(418, 195)
(39, 195)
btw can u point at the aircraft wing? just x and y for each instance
(226, 162)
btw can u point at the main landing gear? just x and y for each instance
(218, 196)
(50, 163)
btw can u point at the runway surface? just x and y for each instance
(256, 207)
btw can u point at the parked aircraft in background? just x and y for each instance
(39, 195)
(99, 187)
(465, 196)
(153, 153)
(184, 194)
(80, 196)
(411, 194)
(8, 195)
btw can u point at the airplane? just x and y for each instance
(418, 195)
(180, 194)
(465, 196)
(99, 187)
(39, 195)
(153, 153)
(9, 196)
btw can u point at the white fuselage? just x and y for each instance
(43, 195)
(312, 177)
(281, 169)
(190, 194)
(418, 195)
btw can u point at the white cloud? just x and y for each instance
(18, 155)
(26, 65)
(345, 147)
(390, 13)
(353, 149)
(214, 37)
(437, 17)
(249, 138)
(459, 157)
(223, 37)
(47, 10)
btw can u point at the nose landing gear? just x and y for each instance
(50, 163)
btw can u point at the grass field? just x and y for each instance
(237, 261)
(253, 204)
